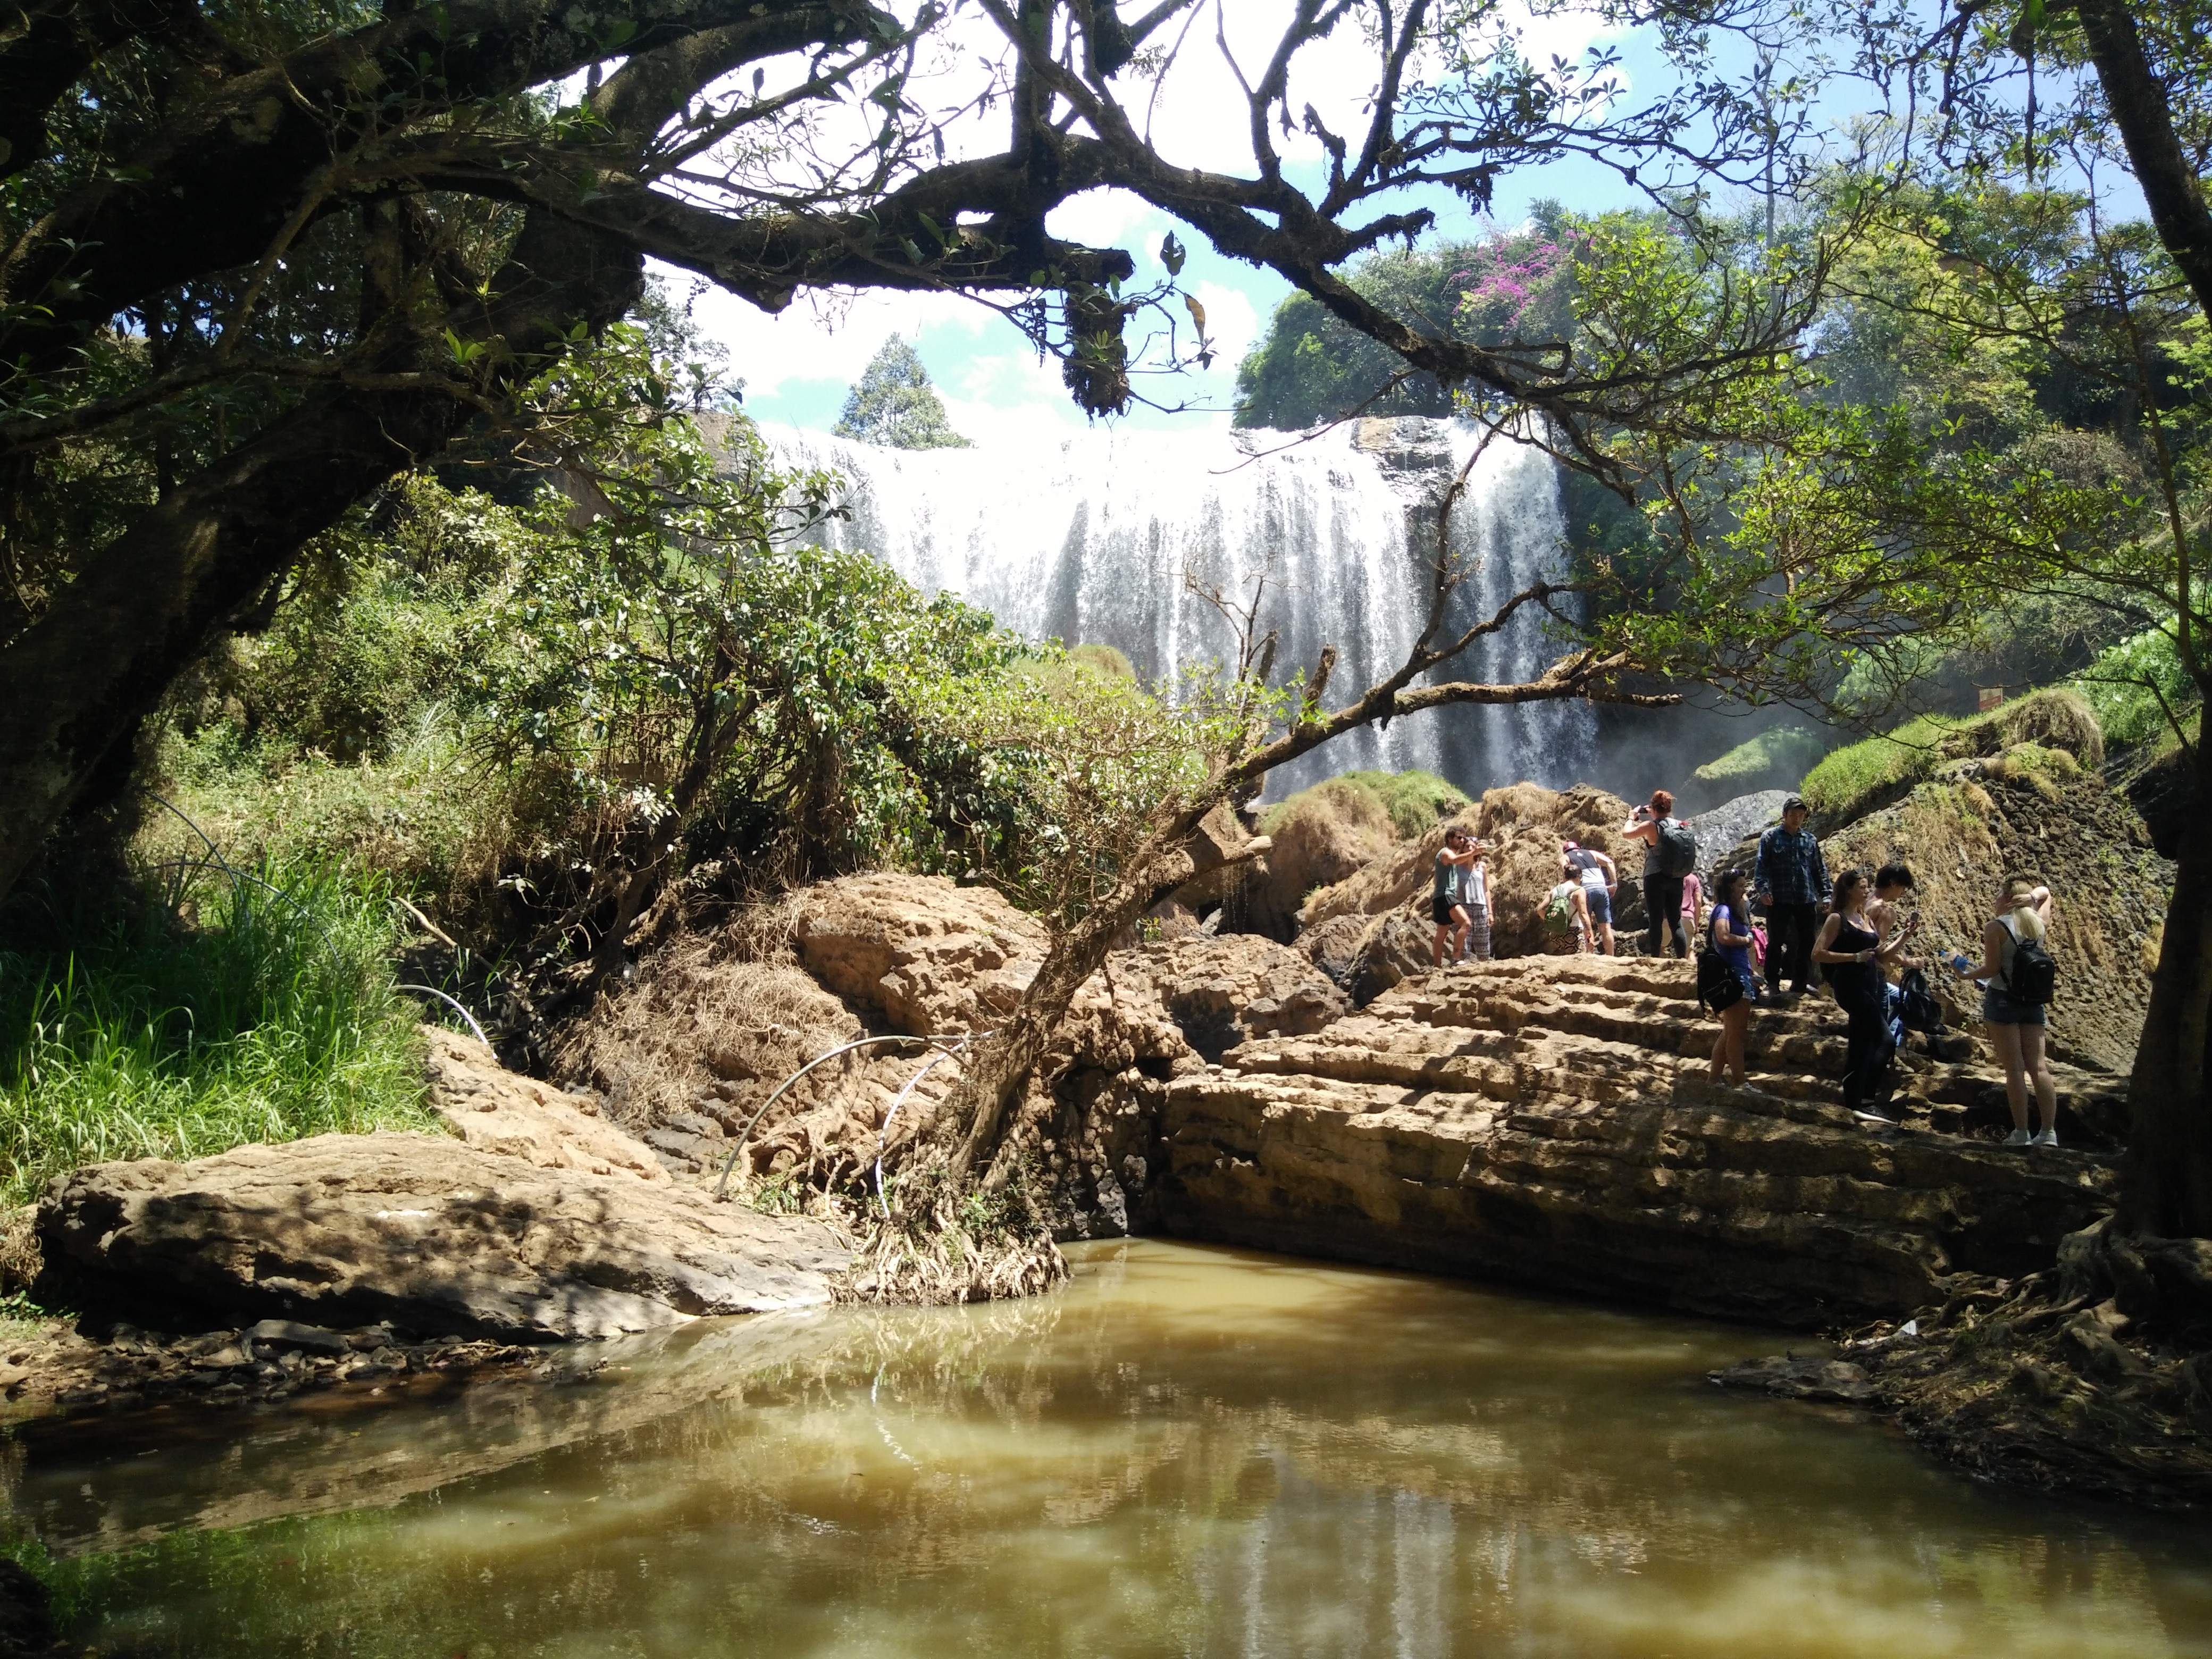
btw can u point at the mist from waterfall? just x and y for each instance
(1096, 539)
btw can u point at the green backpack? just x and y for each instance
(1560, 913)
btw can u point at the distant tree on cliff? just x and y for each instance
(894, 403)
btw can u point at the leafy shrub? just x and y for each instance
(414, 815)
(205, 1013)
(2134, 686)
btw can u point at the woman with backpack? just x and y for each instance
(1729, 937)
(1670, 859)
(2017, 978)
(1849, 949)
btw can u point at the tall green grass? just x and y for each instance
(208, 1011)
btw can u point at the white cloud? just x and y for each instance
(1231, 321)
(821, 336)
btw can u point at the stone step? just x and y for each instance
(1552, 1121)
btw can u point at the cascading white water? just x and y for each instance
(1097, 539)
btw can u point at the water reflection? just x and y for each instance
(1189, 1452)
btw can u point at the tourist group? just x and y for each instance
(1780, 919)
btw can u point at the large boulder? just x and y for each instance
(1980, 820)
(433, 1237)
(1321, 836)
(1524, 825)
(1214, 993)
(918, 952)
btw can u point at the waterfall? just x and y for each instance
(1090, 539)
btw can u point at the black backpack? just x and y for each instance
(1677, 848)
(1719, 986)
(1917, 1008)
(2033, 976)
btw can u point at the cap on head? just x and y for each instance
(1795, 804)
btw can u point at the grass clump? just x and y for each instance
(1857, 777)
(198, 1015)
(2050, 735)
(1412, 801)
(1773, 760)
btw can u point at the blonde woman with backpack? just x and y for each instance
(2016, 977)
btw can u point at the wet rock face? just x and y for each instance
(427, 1234)
(1548, 1122)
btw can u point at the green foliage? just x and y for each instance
(2052, 733)
(1071, 763)
(677, 658)
(1775, 759)
(417, 815)
(894, 403)
(205, 1013)
(1310, 367)
(2140, 687)
(1860, 776)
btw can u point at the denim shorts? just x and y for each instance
(1999, 1007)
(1600, 904)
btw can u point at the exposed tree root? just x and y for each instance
(943, 1241)
(2094, 1377)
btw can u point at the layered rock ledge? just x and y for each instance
(427, 1235)
(1548, 1122)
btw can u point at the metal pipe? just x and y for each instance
(432, 990)
(730, 1163)
(737, 1146)
(883, 1134)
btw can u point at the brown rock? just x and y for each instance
(926, 955)
(497, 1110)
(1322, 836)
(427, 1234)
(1333, 946)
(1962, 832)
(1215, 993)
(1524, 825)
(1548, 1122)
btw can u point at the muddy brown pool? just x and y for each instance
(1188, 1451)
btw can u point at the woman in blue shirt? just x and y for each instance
(1731, 937)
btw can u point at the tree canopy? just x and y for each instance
(894, 403)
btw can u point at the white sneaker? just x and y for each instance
(2048, 1138)
(2020, 1138)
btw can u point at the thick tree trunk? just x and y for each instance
(112, 640)
(2136, 97)
(2169, 1185)
(2169, 1172)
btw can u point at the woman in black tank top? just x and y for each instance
(1849, 949)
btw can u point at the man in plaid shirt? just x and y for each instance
(1791, 884)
